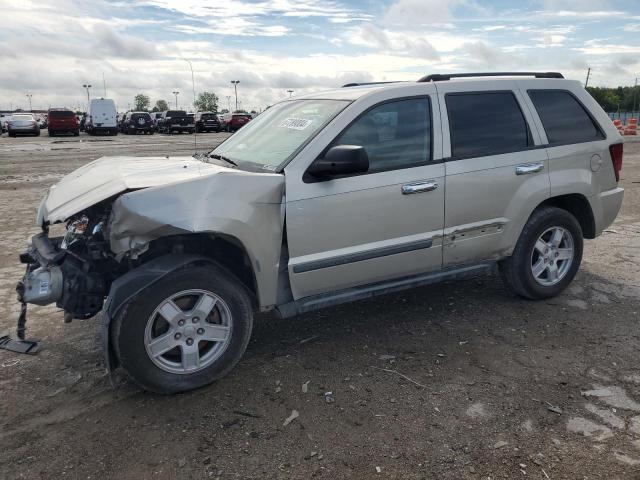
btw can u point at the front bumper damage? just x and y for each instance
(41, 284)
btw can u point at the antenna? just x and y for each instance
(195, 130)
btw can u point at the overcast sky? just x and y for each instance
(50, 48)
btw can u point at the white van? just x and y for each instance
(102, 117)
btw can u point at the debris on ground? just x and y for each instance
(291, 418)
(554, 408)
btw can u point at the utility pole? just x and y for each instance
(104, 85)
(586, 83)
(635, 92)
(235, 87)
(87, 87)
(29, 97)
(229, 102)
(290, 92)
(193, 84)
(175, 92)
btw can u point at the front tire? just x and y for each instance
(188, 330)
(547, 255)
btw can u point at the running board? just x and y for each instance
(316, 302)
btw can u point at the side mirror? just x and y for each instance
(340, 160)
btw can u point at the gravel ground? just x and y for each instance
(453, 381)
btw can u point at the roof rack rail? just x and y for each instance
(354, 84)
(437, 77)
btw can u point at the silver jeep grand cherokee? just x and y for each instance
(325, 199)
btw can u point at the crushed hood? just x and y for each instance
(109, 176)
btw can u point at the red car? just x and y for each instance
(61, 120)
(237, 121)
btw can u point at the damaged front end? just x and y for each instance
(73, 271)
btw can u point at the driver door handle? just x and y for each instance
(419, 187)
(527, 168)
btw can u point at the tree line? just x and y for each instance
(206, 102)
(616, 99)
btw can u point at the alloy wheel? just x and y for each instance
(188, 331)
(552, 256)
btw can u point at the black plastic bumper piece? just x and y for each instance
(30, 347)
(43, 251)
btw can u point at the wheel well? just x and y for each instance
(223, 249)
(578, 206)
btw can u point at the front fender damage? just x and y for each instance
(244, 205)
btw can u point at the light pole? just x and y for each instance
(29, 97)
(235, 88)
(290, 92)
(229, 102)
(193, 83)
(87, 86)
(175, 92)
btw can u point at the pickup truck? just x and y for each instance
(176, 121)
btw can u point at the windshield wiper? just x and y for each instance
(223, 158)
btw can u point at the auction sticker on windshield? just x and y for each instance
(295, 123)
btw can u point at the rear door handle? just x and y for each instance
(419, 187)
(527, 168)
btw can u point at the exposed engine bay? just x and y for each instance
(74, 271)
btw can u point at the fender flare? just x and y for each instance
(129, 285)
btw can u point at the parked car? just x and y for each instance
(42, 121)
(3, 122)
(325, 199)
(175, 121)
(237, 121)
(223, 121)
(155, 116)
(23, 124)
(102, 117)
(137, 122)
(207, 122)
(62, 120)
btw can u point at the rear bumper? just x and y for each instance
(63, 129)
(606, 206)
(23, 130)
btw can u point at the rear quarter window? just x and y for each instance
(61, 114)
(564, 118)
(486, 123)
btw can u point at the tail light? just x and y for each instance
(616, 158)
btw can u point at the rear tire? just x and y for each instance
(529, 271)
(135, 329)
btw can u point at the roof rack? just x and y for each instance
(346, 85)
(437, 77)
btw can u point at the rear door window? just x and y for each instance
(564, 118)
(486, 123)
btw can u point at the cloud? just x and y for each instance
(51, 47)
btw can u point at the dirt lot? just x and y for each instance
(500, 387)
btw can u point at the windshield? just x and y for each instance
(272, 137)
(23, 117)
